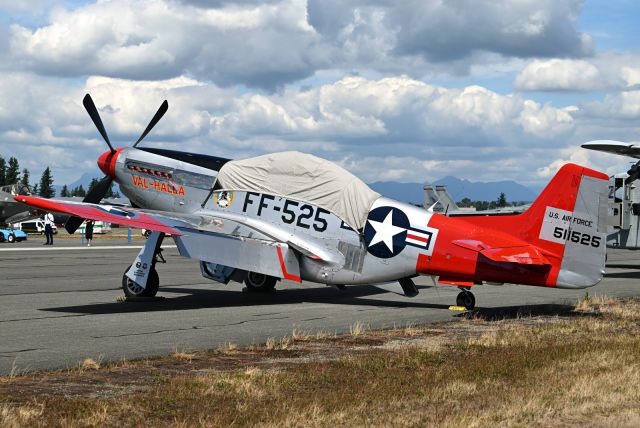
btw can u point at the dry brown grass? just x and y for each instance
(228, 348)
(357, 329)
(567, 371)
(283, 343)
(88, 364)
(183, 355)
(19, 416)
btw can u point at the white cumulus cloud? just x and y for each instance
(606, 71)
(270, 44)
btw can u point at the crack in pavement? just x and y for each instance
(195, 327)
(18, 351)
(45, 318)
(314, 319)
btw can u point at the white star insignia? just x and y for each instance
(385, 231)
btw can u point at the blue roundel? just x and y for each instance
(385, 233)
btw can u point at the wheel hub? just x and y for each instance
(257, 279)
(134, 287)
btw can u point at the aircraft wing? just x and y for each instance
(108, 213)
(615, 147)
(209, 236)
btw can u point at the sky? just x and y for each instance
(407, 91)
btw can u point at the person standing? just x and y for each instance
(48, 228)
(88, 232)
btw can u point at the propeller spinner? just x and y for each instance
(107, 160)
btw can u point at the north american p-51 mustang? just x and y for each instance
(295, 216)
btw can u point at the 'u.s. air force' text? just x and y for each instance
(575, 220)
(576, 236)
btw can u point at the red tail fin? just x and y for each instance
(567, 222)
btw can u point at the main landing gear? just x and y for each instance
(141, 278)
(259, 282)
(466, 298)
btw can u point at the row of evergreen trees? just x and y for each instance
(79, 190)
(500, 202)
(10, 174)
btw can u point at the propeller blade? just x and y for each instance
(93, 197)
(87, 101)
(72, 224)
(156, 118)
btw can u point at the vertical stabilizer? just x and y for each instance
(568, 223)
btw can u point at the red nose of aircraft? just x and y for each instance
(107, 162)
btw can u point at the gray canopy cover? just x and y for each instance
(305, 178)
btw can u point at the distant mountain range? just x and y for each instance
(85, 179)
(458, 189)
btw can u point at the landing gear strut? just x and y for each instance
(466, 298)
(141, 278)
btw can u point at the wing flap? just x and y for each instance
(254, 255)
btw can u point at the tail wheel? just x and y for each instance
(259, 282)
(132, 289)
(12, 238)
(466, 299)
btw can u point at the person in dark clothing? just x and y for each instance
(88, 232)
(48, 228)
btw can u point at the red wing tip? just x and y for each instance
(30, 200)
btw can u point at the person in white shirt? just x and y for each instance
(48, 228)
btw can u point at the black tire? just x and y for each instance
(466, 299)
(259, 282)
(2, 239)
(132, 289)
(12, 238)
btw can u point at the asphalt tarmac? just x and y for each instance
(58, 305)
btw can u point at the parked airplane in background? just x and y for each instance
(619, 148)
(10, 210)
(624, 195)
(298, 217)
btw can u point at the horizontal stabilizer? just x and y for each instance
(521, 254)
